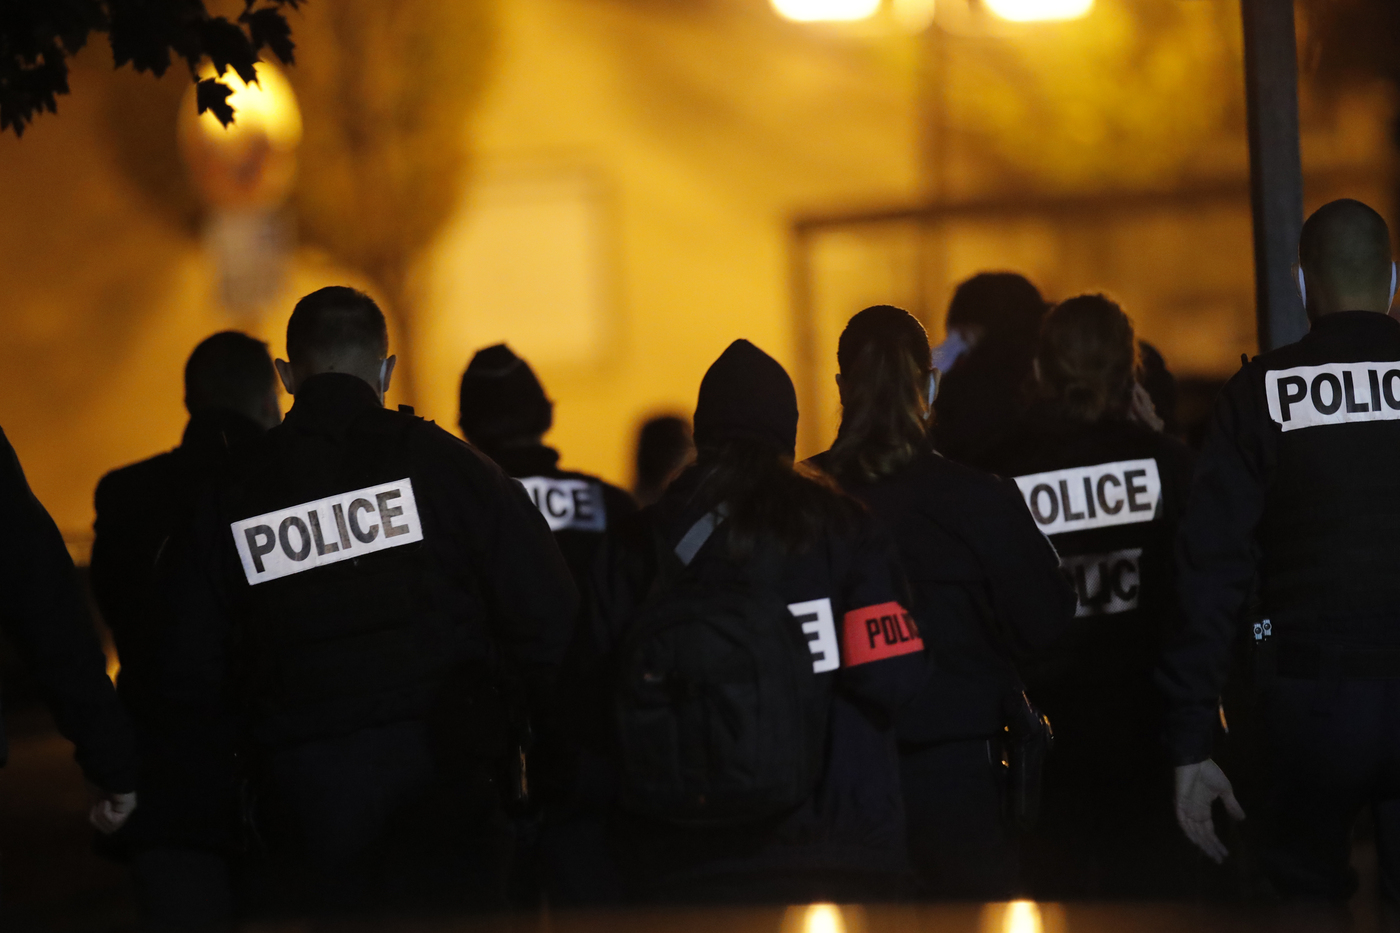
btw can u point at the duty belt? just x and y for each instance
(1330, 662)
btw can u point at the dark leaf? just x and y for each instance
(228, 47)
(269, 29)
(212, 95)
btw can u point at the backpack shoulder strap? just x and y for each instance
(694, 539)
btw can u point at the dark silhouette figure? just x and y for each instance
(996, 314)
(664, 448)
(231, 394)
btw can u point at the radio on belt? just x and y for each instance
(336, 528)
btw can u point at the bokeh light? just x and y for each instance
(823, 918)
(1028, 11)
(811, 11)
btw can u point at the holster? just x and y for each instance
(1029, 740)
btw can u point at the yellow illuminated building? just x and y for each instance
(611, 186)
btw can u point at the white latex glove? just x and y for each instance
(1197, 787)
(110, 812)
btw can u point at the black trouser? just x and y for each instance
(1106, 827)
(960, 841)
(369, 822)
(1333, 747)
(182, 889)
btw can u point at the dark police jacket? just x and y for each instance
(1109, 495)
(138, 508)
(579, 508)
(855, 821)
(358, 567)
(45, 617)
(986, 589)
(1295, 489)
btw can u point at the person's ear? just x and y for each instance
(388, 369)
(284, 372)
(840, 389)
(272, 409)
(1035, 369)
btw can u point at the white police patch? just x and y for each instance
(1100, 496)
(1335, 393)
(327, 530)
(572, 504)
(819, 625)
(1106, 584)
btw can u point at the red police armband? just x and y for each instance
(875, 633)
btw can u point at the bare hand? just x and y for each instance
(1141, 409)
(110, 812)
(1197, 787)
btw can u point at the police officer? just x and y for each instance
(744, 512)
(992, 323)
(366, 590)
(231, 395)
(1107, 487)
(1295, 488)
(505, 414)
(46, 621)
(986, 585)
(664, 448)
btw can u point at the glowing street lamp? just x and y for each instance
(244, 173)
(1030, 11)
(812, 11)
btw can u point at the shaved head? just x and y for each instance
(1345, 256)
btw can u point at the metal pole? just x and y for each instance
(1275, 166)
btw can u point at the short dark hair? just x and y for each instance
(1005, 304)
(1347, 243)
(230, 371)
(333, 320)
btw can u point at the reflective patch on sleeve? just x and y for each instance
(340, 527)
(1336, 393)
(1099, 496)
(819, 625)
(879, 632)
(1106, 584)
(572, 504)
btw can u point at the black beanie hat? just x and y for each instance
(747, 394)
(501, 399)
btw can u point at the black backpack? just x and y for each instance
(718, 717)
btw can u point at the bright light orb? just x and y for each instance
(823, 918)
(1023, 917)
(1031, 11)
(813, 11)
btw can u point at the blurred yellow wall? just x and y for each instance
(675, 141)
(635, 168)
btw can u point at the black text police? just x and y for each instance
(1107, 487)
(505, 413)
(833, 827)
(1295, 488)
(986, 590)
(356, 601)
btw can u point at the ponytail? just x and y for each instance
(1087, 359)
(885, 413)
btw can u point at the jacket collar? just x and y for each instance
(329, 403)
(218, 429)
(525, 460)
(1358, 321)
